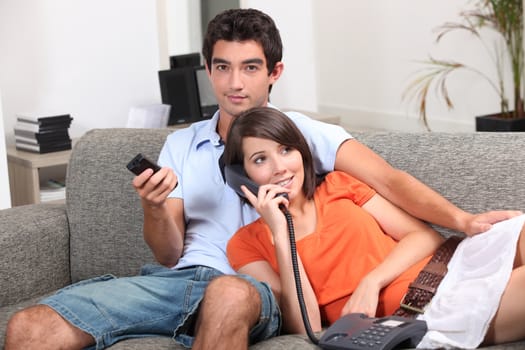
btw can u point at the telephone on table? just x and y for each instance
(359, 332)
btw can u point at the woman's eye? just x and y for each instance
(258, 160)
(286, 149)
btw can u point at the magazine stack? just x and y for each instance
(52, 190)
(42, 133)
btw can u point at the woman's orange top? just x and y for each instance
(346, 245)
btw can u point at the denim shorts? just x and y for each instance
(158, 302)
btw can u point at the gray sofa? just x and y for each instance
(47, 246)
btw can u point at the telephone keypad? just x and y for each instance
(372, 336)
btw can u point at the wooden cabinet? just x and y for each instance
(29, 171)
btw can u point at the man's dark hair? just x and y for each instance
(243, 25)
(271, 124)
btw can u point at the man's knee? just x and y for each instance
(233, 295)
(233, 289)
(40, 324)
(25, 324)
(26, 319)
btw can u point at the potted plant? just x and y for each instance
(505, 17)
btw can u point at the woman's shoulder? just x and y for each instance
(341, 184)
(336, 177)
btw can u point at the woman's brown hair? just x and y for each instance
(271, 124)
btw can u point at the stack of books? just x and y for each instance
(52, 190)
(42, 133)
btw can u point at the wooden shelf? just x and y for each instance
(26, 171)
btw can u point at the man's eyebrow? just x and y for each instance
(219, 61)
(248, 61)
(253, 61)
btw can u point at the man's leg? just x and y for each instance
(40, 327)
(235, 310)
(231, 306)
(112, 309)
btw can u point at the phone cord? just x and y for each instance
(298, 287)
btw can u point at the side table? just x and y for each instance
(25, 171)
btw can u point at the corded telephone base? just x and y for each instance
(359, 332)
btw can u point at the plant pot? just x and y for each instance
(493, 122)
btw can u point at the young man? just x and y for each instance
(190, 213)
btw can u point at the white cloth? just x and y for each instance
(468, 297)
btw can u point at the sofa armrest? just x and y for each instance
(34, 246)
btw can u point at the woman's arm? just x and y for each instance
(416, 241)
(283, 284)
(292, 318)
(283, 287)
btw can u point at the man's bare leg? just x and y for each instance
(230, 308)
(40, 327)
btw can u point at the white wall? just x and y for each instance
(298, 86)
(96, 58)
(367, 53)
(184, 26)
(5, 194)
(91, 58)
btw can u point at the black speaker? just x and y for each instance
(178, 88)
(187, 60)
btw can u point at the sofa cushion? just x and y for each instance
(104, 211)
(34, 243)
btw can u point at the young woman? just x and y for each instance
(357, 252)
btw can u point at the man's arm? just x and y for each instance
(410, 194)
(164, 225)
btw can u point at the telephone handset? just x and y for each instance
(359, 332)
(236, 176)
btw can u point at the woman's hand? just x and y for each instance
(267, 203)
(364, 299)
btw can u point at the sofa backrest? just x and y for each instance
(476, 171)
(104, 211)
